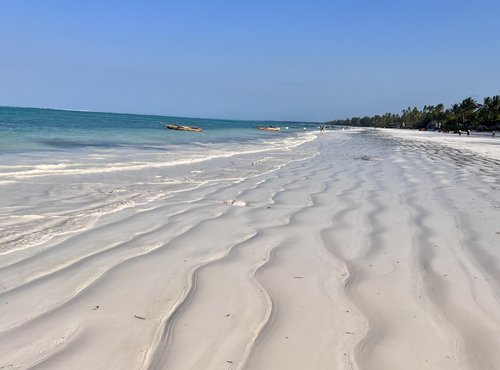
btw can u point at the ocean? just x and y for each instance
(37, 142)
(31, 129)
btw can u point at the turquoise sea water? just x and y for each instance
(31, 129)
(38, 143)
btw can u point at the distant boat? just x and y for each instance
(268, 128)
(183, 128)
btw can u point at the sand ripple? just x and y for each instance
(361, 249)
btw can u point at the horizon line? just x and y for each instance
(159, 115)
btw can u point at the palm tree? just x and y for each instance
(495, 108)
(467, 108)
(438, 111)
(487, 110)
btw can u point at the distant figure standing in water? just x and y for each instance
(322, 129)
(459, 132)
(468, 132)
(493, 133)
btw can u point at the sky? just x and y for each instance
(280, 60)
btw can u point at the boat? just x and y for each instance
(268, 128)
(183, 128)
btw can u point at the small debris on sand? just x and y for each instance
(139, 317)
(236, 203)
(364, 158)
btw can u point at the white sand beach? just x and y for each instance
(360, 249)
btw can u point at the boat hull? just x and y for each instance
(268, 128)
(183, 128)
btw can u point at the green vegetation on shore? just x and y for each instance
(469, 114)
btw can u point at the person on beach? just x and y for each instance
(493, 133)
(468, 132)
(322, 129)
(459, 132)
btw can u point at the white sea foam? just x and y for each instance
(183, 157)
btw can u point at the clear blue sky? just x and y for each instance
(290, 60)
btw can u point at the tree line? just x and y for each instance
(469, 114)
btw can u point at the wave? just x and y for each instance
(183, 156)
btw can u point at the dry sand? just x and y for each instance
(376, 249)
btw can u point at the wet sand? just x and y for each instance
(361, 249)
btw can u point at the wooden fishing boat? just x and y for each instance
(183, 128)
(268, 128)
